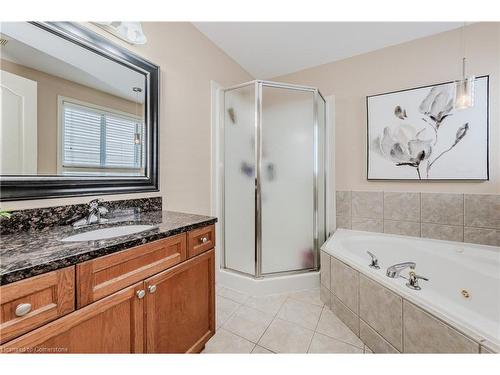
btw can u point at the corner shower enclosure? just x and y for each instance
(273, 178)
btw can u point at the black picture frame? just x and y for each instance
(434, 180)
(17, 187)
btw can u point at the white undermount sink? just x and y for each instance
(106, 233)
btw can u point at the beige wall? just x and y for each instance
(188, 62)
(48, 89)
(424, 61)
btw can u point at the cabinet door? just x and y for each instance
(180, 307)
(111, 325)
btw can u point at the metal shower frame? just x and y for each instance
(258, 159)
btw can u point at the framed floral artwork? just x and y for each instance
(417, 134)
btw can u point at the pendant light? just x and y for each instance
(464, 88)
(137, 135)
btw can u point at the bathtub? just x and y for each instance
(452, 268)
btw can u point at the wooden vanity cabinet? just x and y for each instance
(103, 276)
(115, 324)
(180, 307)
(145, 299)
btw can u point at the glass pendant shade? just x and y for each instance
(464, 93)
(464, 90)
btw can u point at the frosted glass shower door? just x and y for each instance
(239, 178)
(287, 179)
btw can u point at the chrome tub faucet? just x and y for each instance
(94, 214)
(374, 262)
(396, 269)
(413, 280)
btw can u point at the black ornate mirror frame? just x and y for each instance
(17, 187)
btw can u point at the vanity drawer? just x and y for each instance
(201, 240)
(103, 276)
(31, 303)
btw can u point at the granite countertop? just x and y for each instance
(28, 253)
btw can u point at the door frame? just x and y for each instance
(27, 90)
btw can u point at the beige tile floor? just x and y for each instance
(286, 323)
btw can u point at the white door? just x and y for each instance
(18, 124)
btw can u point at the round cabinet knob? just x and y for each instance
(152, 288)
(140, 294)
(204, 239)
(23, 308)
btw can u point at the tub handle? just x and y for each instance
(413, 281)
(374, 262)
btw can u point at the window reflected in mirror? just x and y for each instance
(67, 110)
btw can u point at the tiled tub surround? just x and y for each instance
(389, 317)
(29, 253)
(473, 218)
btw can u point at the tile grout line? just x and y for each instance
(269, 325)
(383, 211)
(237, 291)
(402, 326)
(241, 337)
(463, 221)
(290, 322)
(297, 324)
(244, 338)
(352, 215)
(335, 338)
(230, 316)
(420, 198)
(315, 329)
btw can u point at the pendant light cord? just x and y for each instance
(463, 51)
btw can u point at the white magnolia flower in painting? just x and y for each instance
(438, 103)
(403, 145)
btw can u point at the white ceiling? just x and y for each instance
(270, 49)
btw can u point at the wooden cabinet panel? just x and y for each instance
(103, 276)
(111, 325)
(30, 303)
(201, 240)
(180, 307)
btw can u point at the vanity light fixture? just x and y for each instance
(130, 32)
(464, 88)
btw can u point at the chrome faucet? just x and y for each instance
(413, 280)
(94, 215)
(395, 270)
(374, 262)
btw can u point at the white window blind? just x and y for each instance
(93, 138)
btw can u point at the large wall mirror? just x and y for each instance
(79, 114)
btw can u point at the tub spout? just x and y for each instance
(394, 270)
